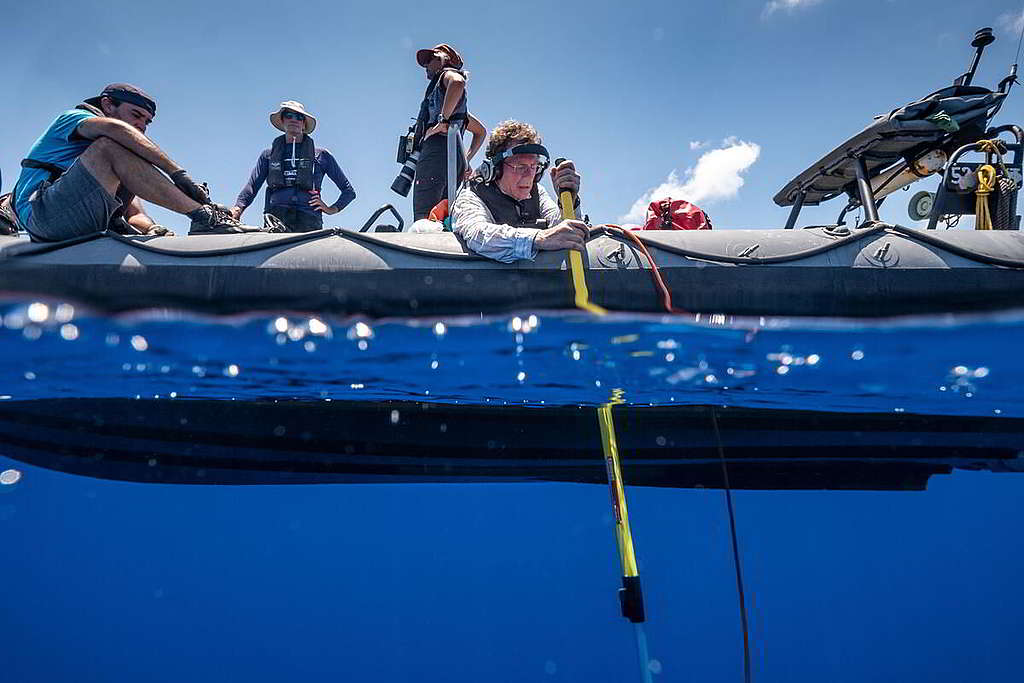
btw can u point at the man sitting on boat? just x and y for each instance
(87, 172)
(294, 170)
(504, 213)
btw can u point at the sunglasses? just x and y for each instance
(292, 115)
(524, 169)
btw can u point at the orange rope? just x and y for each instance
(659, 282)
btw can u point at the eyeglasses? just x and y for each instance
(523, 169)
(292, 115)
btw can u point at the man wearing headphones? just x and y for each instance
(504, 213)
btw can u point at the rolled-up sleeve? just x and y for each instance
(474, 223)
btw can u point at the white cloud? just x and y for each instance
(699, 144)
(774, 6)
(1012, 21)
(717, 176)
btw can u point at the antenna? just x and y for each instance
(1007, 83)
(982, 39)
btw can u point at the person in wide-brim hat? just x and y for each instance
(293, 106)
(294, 168)
(424, 56)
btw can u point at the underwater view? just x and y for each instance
(896, 558)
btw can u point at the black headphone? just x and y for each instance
(490, 169)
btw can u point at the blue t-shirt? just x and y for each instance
(58, 146)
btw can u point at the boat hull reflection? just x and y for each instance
(278, 442)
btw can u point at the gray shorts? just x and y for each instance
(75, 205)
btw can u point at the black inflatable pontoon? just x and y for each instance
(281, 442)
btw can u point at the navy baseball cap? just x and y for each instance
(125, 92)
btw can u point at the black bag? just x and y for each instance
(406, 145)
(8, 221)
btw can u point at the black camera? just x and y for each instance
(408, 156)
(403, 183)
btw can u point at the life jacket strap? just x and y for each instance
(54, 170)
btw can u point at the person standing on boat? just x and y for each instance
(88, 171)
(294, 171)
(444, 106)
(504, 213)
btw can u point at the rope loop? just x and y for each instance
(986, 183)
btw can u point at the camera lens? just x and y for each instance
(403, 183)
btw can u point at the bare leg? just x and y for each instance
(112, 165)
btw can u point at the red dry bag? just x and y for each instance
(675, 214)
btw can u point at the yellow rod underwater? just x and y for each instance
(630, 595)
(579, 280)
(631, 598)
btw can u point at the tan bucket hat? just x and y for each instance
(292, 105)
(424, 56)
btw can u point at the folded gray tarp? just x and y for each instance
(893, 136)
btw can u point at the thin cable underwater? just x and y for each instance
(735, 549)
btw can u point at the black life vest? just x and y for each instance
(283, 167)
(524, 213)
(434, 95)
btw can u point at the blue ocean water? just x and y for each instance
(123, 581)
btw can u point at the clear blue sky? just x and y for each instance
(622, 88)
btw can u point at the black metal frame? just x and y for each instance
(867, 197)
(795, 211)
(946, 202)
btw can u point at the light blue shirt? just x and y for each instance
(59, 146)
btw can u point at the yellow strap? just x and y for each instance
(579, 280)
(623, 535)
(990, 147)
(986, 183)
(993, 148)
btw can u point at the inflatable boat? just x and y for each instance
(868, 269)
(880, 270)
(187, 441)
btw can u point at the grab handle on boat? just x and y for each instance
(376, 215)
